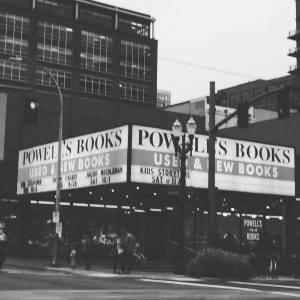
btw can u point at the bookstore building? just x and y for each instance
(128, 177)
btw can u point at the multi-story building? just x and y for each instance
(294, 51)
(200, 107)
(232, 96)
(163, 98)
(91, 48)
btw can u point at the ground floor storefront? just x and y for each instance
(258, 223)
(130, 178)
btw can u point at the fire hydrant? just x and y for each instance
(73, 259)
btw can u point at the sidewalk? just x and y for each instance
(99, 269)
(103, 269)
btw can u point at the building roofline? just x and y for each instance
(117, 9)
(242, 84)
(194, 100)
(257, 81)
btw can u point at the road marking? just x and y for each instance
(285, 294)
(266, 284)
(29, 272)
(201, 285)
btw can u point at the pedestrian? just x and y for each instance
(273, 267)
(3, 247)
(129, 247)
(73, 258)
(229, 242)
(139, 257)
(86, 244)
(118, 254)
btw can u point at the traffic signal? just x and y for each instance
(31, 107)
(242, 115)
(283, 103)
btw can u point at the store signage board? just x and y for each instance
(58, 229)
(252, 229)
(89, 160)
(240, 165)
(55, 217)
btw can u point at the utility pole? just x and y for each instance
(211, 168)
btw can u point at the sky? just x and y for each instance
(226, 41)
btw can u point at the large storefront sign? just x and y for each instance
(240, 165)
(88, 160)
(101, 158)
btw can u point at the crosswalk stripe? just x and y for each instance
(201, 285)
(266, 284)
(286, 294)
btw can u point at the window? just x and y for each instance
(96, 52)
(135, 92)
(54, 43)
(257, 91)
(13, 70)
(17, 3)
(14, 34)
(54, 8)
(95, 85)
(245, 96)
(134, 27)
(92, 17)
(62, 77)
(233, 100)
(135, 60)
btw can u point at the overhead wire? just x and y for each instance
(208, 68)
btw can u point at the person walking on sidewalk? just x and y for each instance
(273, 267)
(129, 247)
(118, 254)
(73, 258)
(86, 244)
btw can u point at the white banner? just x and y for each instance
(88, 160)
(240, 165)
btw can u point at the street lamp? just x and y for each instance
(182, 149)
(58, 177)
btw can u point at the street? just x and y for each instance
(18, 283)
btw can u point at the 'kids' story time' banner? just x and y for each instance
(240, 165)
(88, 160)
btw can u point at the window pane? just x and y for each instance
(96, 52)
(14, 32)
(54, 43)
(135, 60)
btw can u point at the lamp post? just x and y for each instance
(58, 175)
(181, 150)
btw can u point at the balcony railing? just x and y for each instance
(293, 68)
(293, 50)
(294, 33)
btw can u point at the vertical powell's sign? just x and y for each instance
(240, 165)
(88, 160)
(252, 229)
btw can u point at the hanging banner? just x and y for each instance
(240, 165)
(88, 160)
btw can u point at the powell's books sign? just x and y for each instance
(252, 229)
(240, 165)
(101, 158)
(88, 160)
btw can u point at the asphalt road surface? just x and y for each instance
(31, 284)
